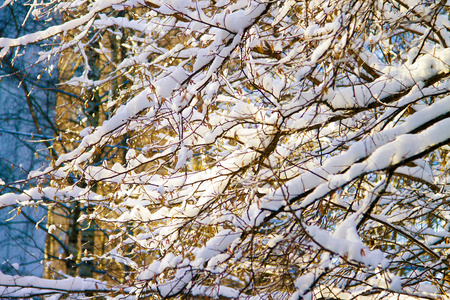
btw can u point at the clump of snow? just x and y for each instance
(51, 228)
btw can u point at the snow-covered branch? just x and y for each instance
(244, 149)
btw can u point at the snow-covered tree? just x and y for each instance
(275, 149)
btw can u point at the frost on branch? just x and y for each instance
(246, 149)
